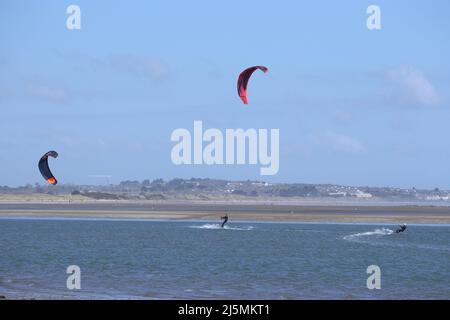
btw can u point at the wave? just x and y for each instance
(376, 232)
(214, 226)
(364, 237)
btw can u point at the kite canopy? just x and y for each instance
(243, 81)
(45, 170)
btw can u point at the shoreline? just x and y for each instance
(234, 202)
(211, 221)
(179, 211)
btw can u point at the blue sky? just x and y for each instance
(353, 106)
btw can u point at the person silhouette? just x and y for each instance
(225, 220)
(401, 228)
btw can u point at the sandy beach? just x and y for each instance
(210, 210)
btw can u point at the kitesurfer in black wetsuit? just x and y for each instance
(225, 220)
(401, 228)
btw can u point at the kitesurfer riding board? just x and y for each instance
(401, 228)
(225, 220)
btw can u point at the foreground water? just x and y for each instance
(165, 260)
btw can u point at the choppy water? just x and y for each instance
(161, 260)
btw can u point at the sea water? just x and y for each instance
(144, 259)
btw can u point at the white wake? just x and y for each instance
(214, 226)
(376, 232)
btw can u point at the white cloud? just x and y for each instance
(410, 86)
(141, 66)
(66, 140)
(6, 93)
(35, 90)
(339, 142)
(52, 94)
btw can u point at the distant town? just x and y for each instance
(216, 189)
